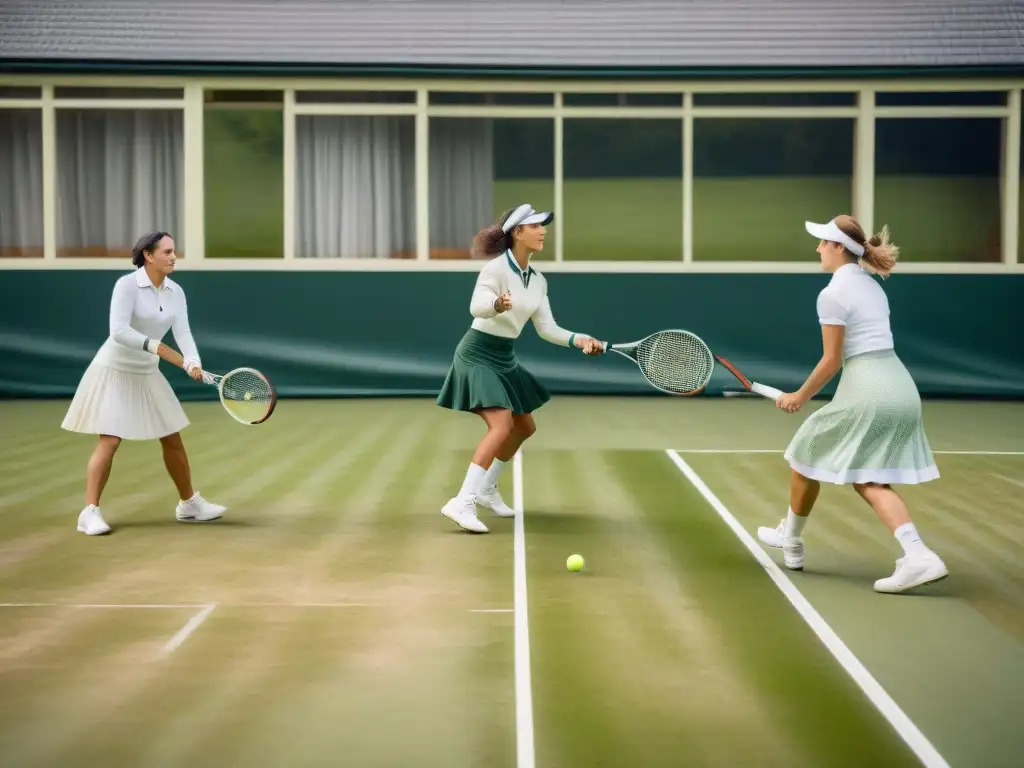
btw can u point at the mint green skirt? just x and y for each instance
(486, 374)
(871, 432)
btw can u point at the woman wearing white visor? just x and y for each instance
(871, 434)
(485, 377)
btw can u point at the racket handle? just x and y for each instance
(765, 391)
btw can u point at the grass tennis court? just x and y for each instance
(334, 617)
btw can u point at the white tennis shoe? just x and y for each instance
(91, 522)
(198, 510)
(913, 571)
(792, 547)
(461, 510)
(491, 499)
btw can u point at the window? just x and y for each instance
(20, 92)
(757, 181)
(500, 99)
(480, 168)
(21, 193)
(769, 99)
(937, 186)
(243, 164)
(623, 99)
(355, 97)
(120, 174)
(623, 189)
(355, 191)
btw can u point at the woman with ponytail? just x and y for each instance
(871, 435)
(485, 377)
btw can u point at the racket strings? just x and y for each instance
(675, 362)
(247, 394)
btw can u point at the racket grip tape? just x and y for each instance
(765, 391)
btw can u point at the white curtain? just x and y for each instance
(461, 179)
(355, 183)
(119, 175)
(355, 187)
(21, 182)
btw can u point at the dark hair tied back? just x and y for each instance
(146, 243)
(491, 240)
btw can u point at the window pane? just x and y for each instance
(623, 190)
(937, 187)
(481, 167)
(623, 99)
(120, 174)
(501, 98)
(811, 99)
(941, 99)
(20, 92)
(21, 192)
(243, 164)
(757, 181)
(92, 92)
(355, 97)
(355, 187)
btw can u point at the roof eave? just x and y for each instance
(271, 69)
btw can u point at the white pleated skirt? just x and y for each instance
(132, 406)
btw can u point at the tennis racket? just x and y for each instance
(680, 363)
(246, 394)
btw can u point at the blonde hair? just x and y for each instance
(879, 254)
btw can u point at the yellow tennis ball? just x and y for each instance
(574, 563)
(248, 395)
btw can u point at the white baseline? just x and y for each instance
(904, 726)
(782, 450)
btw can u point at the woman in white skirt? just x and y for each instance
(871, 434)
(123, 395)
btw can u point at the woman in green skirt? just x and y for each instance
(871, 435)
(485, 377)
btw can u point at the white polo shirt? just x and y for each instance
(529, 290)
(854, 299)
(138, 310)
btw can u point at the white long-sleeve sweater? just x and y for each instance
(529, 292)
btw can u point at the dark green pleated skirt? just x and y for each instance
(486, 374)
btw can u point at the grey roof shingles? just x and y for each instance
(522, 34)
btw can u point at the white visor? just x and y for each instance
(834, 234)
(525, 214)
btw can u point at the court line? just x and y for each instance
(191, 626)
(181, 606)
(885, 704)
(103, 605)
(782, 450)
(524, 695)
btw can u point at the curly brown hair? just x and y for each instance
(491, 240)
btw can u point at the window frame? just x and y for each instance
(865, 112)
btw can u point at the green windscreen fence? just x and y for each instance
(370, 333)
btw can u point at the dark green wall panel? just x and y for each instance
(351, 333)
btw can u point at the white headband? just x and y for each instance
(525, 214)
(834, 234)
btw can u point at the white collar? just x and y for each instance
(142, 280)
(852, 267)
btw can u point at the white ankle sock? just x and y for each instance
(474, 480)
(491, 478)
(910, 540)
(794, 524)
